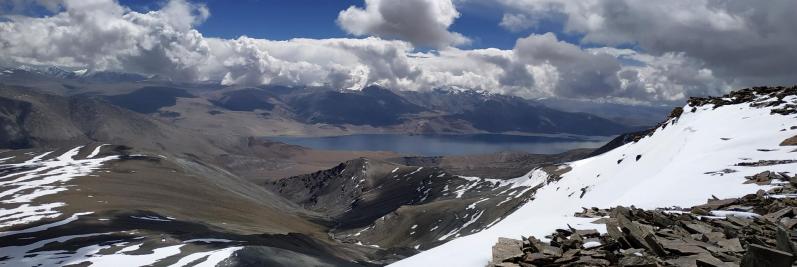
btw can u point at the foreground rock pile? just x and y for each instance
(754, 230)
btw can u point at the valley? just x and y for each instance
(130, 178)
(411, 133)
(169, 179)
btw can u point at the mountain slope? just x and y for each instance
(495, 116)
(33, 119)
(149, 99)
(501, 113)
(709, 150)
(373, 106)
(632, 115)
(308, 110)
(396, 208)
(107, 205)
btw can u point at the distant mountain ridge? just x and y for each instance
(324, 111)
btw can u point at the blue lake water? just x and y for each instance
(440, 145)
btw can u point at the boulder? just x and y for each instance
(638, 237)
(588, 233)
(784, 243)
(732, 245)
(681, 247)
(761, 256)
(506, 248)
(791, 141)
(637, 261)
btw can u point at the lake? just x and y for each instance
(440, 145)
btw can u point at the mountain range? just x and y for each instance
(313, 111)
(150, 172)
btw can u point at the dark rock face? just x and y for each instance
(758, 255)
(149, 99)
(373, 106)
(495, 116)
(357, 192)
(248, 99)
(754, 230)
(398, 208)
(13, 114)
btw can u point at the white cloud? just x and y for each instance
(103, 35)
(744, 42)
(100, 34)
(581, 74)
(517, 22)
(421, 22)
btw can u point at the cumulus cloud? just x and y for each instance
(517, 22)
(103, 35)
(743, 42)
(422, 22)
(669, 77)
(100, 34)
(341, 63)
(581, 74)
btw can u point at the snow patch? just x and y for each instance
(20, 190)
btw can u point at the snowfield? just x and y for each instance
(683, 164)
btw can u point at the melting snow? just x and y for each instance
(473, 218)
(151, 218)
(415, 171)
(592, 244)
(43, 227)
(96, 151)
(474, 181)
(741, 214)
(19, 190)
(473, 205)
(209, 240)
(213, 257)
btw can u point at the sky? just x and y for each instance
(287, 19)
(610, 50)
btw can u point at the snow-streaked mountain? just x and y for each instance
(707, 151)
(100, 205)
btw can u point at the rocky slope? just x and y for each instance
(108, 205)
(754, 230)
(164, 195)
(707, 150)
(397, 208)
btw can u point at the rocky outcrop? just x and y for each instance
(751, 95)
(791, 141)
(754, 230)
